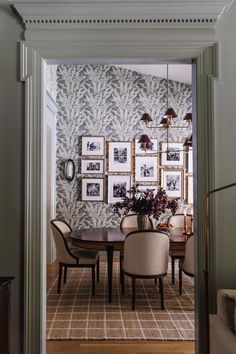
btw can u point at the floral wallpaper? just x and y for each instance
(109, 101)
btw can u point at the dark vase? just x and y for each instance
(143, 221)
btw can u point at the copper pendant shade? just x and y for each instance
(146, 118)
(145, 142)
(189, 142)
(170, 112)
(188, 117)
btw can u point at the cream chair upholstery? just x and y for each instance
(146, 256)
(187, 264)
(72, 257)
(177, 220)
(65, 229)
(131, 222)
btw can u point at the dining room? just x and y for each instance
(115, 157)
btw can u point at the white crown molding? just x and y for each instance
(120, 14)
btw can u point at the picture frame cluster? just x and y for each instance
(164, 166)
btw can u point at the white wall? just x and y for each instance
(11, 170)
(225, 152)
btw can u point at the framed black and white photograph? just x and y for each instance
(190, 161)
(189, 189)
(150, 187)
(92, 166)
(118, 185)
(119, 156)
(172, 155)
(92, 190)
(153, 150)
(93, 145)
(172, 182)
(146, 168)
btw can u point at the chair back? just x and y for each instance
(188, 263)
(131, 222)
(59, 229)
(146, 253)
(62, 226)
(177, 220)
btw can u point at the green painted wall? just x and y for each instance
(225, 151)
(12, 167)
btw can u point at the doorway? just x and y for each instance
(34, 201)
(128, 75)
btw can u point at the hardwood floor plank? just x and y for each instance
(120, 347)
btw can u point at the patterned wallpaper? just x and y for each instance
(109, 101)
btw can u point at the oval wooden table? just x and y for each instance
(112, 239)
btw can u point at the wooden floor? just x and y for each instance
(114, 347)
(120, 347)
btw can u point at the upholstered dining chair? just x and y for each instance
(177, 220)
(131, 222)
(72, 257)
(186, 264)
(146, 257)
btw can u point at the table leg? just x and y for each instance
(110, 250)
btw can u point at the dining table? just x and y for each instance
(112, 239)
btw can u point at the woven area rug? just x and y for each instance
(76, 314)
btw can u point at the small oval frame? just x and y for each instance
(69, 170)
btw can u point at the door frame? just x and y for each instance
(34, 56)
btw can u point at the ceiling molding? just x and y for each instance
(120, 14)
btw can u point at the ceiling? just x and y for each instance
(177, 72)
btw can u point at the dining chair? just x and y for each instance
(72, 257)
(146, 257)
(131, 222)
(177, 220)
(186, 264)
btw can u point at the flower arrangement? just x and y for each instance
(145, 203)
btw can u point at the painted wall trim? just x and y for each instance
(34, 53)
(120, 14)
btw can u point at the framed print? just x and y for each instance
(139, 151)
(93, 145)
(119, 156)
(149, 187)
(118, 186)
(92, 190)
(146, 168)
(175, 155)
(190, 161)
(189, 189)
(172, 182)
(92, 166)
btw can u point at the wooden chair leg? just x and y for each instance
(93, 280)
(98, 269)
(133, 293)
(155, 281)
(173, 270)
(121, 270)
(59, 278)
(161, 289)
(122, 282)
(180, 280)
(65, 274)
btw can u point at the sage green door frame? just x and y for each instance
(34, 54)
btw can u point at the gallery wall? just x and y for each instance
(103, 100)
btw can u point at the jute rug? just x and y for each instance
(76, 314)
